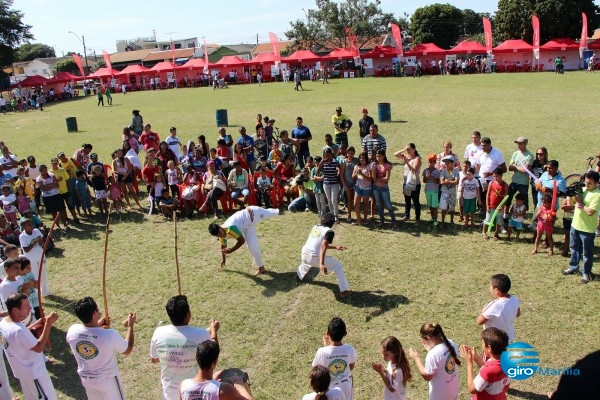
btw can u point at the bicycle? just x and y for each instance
(576, 178)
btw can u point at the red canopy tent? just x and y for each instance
(468, 47)
(192, 64)
(63, 77)
(513, 46)
(381, 52)
(163, 66)
(134, 70)
(262, 58)
(426, 49)
(594, 45)
(35, 80)
(302, 55)
(103, 73)
(562, 44)
(230, 61)
(339, 54)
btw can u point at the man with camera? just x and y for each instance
(583, 227)
(342, 125)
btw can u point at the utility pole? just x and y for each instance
(82, 41)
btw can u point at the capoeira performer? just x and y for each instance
(314, 254)
(241, 226)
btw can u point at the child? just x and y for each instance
(156, 190)
(23, 201)
(168, 204)
(173, 178)
(440, 363)
(275, 155)
(31, 242)
(263, 163)
(448, 182)
(115, 193)
(98, 183)
(320, 380)
(517, 212)
(503, 311)
(263, 189)
(223, 152)
(335, 353)
(27, 276)
(462, 174)
(9, 201)
(545, 217)
(397, 372)
(318, 190)
(431, 179)
(82, 198)
(28, 185)
(491, 382)
(568, 206)
(497, 189)
(12, 283)
(469, 193)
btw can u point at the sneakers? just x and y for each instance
(297, 279)
(570, 271)
(586, 278)
(502, 230)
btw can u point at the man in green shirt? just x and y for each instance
(520, 162)
(583, 227)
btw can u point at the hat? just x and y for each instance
(521, 139)
(448, 158)
(364, 110)
(93, 155)
(60, 154)
(338, 108)
(431, 157)
(54, 160)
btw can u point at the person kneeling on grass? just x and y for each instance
(168, 204)
(314, 254)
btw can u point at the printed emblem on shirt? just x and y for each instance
(315, 232)
(87, 350)
(450, 364)
(337, 367)
(3, 341)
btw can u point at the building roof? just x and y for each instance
(168, 55)
(241, 48)
(596, 34)
(129, 56)
(267, 48)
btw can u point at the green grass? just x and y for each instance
(272, 328)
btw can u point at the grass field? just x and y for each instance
(271, 327)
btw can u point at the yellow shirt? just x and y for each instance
(62, 183)
(70, 167)
(335, 119)
(28, 186)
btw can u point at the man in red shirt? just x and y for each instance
(149, 139)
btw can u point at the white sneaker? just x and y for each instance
(502, 230)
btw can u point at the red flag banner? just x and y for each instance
(205, 69)
(77, 60)
(352, 40)
(487, 32)
(275, 46)
(398, 39)
(107, 59)
(584, 35)
(536, 36)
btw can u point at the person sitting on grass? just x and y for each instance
(491, 381)
(168, 204)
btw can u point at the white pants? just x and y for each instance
(104, 389)
(5, 392)
(258, 214)
(38, 388)
(332, 192)
(331, 264)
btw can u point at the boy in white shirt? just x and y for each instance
(517, 215)
(503, 311)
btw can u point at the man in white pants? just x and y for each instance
(313, 254)
(241, 226)
(25, 352)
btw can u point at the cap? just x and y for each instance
(338, 108)
(94, 155)
(448, 158)
(431, 157)
(54, 160)
(364, 110)
(61, 154)
(521, 139)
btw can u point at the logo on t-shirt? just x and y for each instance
(450, 365)
(3, 341)
(337, 367)
(87, 350)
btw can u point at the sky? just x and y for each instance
(226, 22)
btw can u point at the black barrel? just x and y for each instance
(222, 118)
(384, 112)
(71, 124)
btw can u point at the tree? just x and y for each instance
(31, 51)
(97, 65)
(473, 22)
(558, 18)
(326, 26)
(12, 31)
(67, 65)
(437, 23)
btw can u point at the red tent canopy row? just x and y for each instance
(35, 80)
(134, 70)
(513, 46)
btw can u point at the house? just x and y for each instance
(121, 59)
(46, 67)
(243, 51)
(145, 43)
(267, 48)
(180, 56)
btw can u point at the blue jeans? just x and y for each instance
(515, 188)
(301, 203)
(582, 242)
(382, 199)
(301, 157)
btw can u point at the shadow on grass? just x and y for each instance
(66, 380)
(527, 395)
(279, 282)
(58, 304)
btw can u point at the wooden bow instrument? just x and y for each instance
(176, 253)
(105, 299)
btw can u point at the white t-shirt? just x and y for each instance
(208, 390)
(399, 392)
(502, 313)
(489, 162)
(94, 350)
(173, 143)
(472, 153)
(241, 219)
(175, 347)
(332, 394)
(47, 181)
(337, 360)
(8, 288)
(7, 203)
(34, 172)
(315, 238)
(172, 176)
(18, 342)
(445, 382)
(26, 240)
(469, 188)
(517, 213)
(6, 160)
(445, 174)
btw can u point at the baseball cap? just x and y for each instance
(448, 158)
(61, 154)
(364, 110)
(431, 157)
(338, 108)
(54, 160)
(94, 155)
(521, 139)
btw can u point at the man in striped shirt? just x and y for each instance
(373, 141)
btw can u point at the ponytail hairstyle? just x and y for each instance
(414, 147)
(435, 330)
(394, 346)
(319, 381)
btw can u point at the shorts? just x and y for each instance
(432, 198)
(2, 108)
(518, 225)
(567, 224)
(544, 227)
(125, 179)
(100, 194)
(54, 203)
(447, 202)
(235, 193)
(469, 206)
(363, 192)
(488, 217)
(68, 199)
